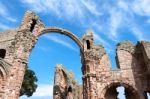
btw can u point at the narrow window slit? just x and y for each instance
(88, 44)
(33, 25)
(2, 53)
(69, 89)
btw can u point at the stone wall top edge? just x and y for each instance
(126, 46)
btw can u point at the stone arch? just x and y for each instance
(64, 32)
(130, 90)
(69, 89)
(29, 39)
(69, 93)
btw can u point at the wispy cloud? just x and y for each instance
(4, 13)
(101, 40)
(43, 48)
(60, 41)
(116, 19)
(62, 8)
(110, 16)
(148, 21)
(122, 15)
(3, 10)
(91, 6)
(9, 18)
(123, 5)
(142, 7)
(137, 32)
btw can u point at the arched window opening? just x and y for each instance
(64, 90)
(117, 91)
(121, 92)
(69, 89)
(147, 95)
(2, 53)
(33, 25)
(88, 44)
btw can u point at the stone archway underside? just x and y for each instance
(110, 91)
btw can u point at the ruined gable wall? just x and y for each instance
(65, 85)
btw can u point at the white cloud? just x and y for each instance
(142, 7)
(118, 15)
(99, 39)
(122, 15)
(3, 10)
(11, 19)
(91, 6)
(68, 9)
(148, 21)
(136, 31)
(116, 18)
(44, 91)
(123, 5)
(60, 41)
(4, 13)
(44, 48)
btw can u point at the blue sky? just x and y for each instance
(110, 20)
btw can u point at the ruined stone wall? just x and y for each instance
(15, 42)
(6, 40)
(99, 80)
(65, 85)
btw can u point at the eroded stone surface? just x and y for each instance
(65, 85)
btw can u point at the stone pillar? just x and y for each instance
(12, 90)
(24, 42)
(89, 78)
(145, 46)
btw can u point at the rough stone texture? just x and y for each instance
(65, 86)
(99, 80)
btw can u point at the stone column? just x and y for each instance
(24, 42)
